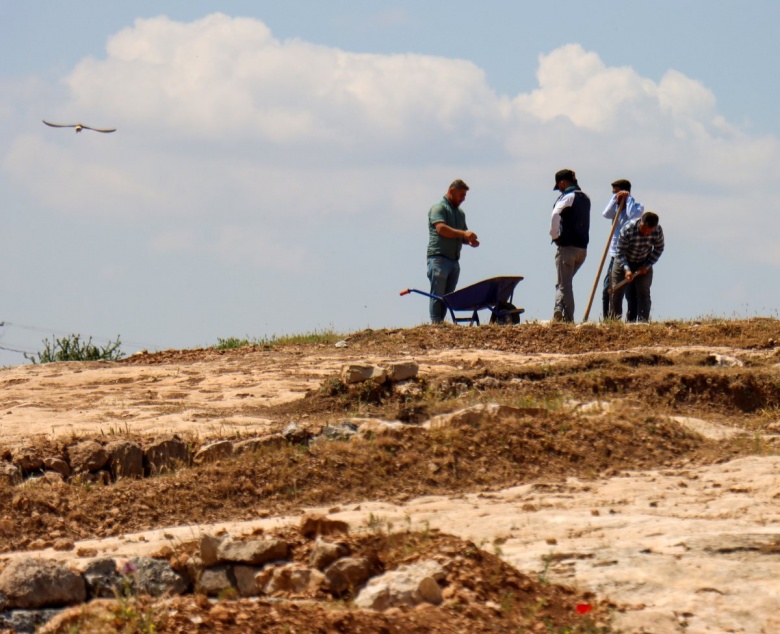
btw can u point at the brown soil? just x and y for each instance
(644, 372)
(482, 594)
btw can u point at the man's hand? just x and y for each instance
(630, 275)
(468, 237)
(621, 196)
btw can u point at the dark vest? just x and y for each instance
(575, 222)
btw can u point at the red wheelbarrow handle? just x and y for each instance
(406, 292)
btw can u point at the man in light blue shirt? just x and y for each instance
(621, 196)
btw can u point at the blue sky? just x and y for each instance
(274, 162)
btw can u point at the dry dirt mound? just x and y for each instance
(480, 594)
(592, 401)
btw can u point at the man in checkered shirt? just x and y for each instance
(639, 247)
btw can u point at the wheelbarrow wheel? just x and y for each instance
(505, 314)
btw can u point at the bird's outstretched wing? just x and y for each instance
(86, 127)
(79, 127)
(61, 125)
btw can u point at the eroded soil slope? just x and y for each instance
(596, 401)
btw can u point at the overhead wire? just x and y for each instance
(55, 331)
(16, 350)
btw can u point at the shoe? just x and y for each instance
(557, 316)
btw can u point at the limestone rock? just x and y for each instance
(402, 370)
(314, 525)
(264, 576)
(155, 577)
(254, 552)
(102, 578)
(372, 428)
(246, 579)
(293, 579)
(57, 465)
(481, 414)
(359, 372)
(10, 475)
(253, 445)
(344, 430)
(208, 549)
(37, 583)
(125, 459)
(87, 457)
(27, 459)
(408, 585)
(63, 543)
(296, 435)
(214, 581)
(723, 360)
(214, 451)
(347, 574)
(325, 553)
(166, 454)
(24, 621)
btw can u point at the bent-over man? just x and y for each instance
(639, 247)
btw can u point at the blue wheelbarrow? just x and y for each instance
(494, 294)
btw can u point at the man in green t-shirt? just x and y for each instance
(447, 233)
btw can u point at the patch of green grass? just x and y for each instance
(325, 336)
(232, 343)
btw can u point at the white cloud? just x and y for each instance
(224, 77)
(685, 97)
(575, 84)
(222, 123)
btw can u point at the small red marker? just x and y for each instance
(584, 608)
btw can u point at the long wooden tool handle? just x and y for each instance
(619, 285)
(623, 283)
(604, 257)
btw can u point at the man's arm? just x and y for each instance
(445, 231)
(658, 247)
(633, 209)
(555, 219)
(611, 209)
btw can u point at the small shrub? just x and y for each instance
(333, 386)
(72, 348)
(231, 343)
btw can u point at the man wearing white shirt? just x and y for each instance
(621, 193)
(570, 232)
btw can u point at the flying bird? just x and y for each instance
(79, 126)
